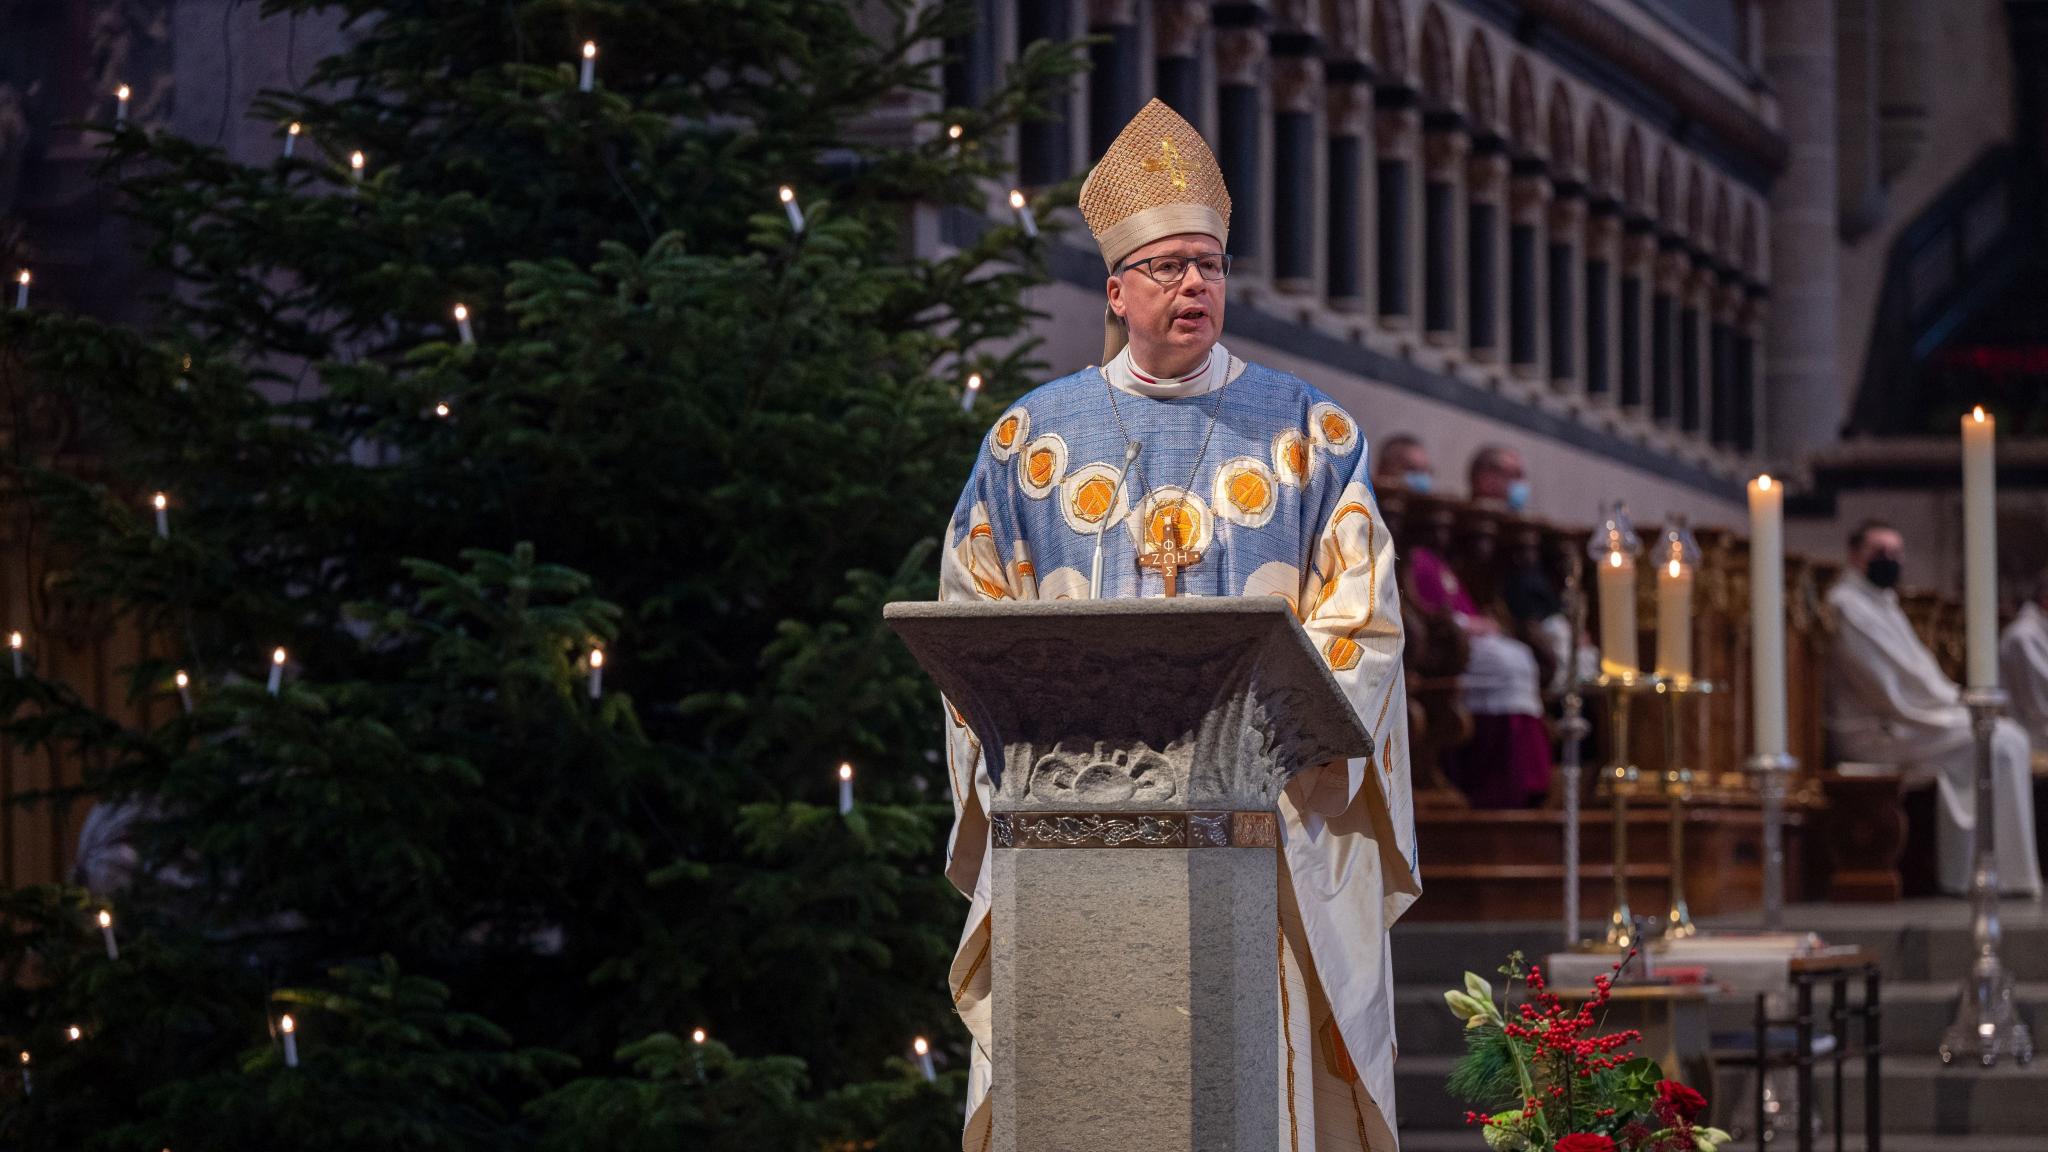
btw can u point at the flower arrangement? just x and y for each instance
(1549, 1080)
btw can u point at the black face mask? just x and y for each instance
(1883, 570)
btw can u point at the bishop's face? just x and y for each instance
(1172, 326)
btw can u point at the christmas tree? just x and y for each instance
(509, 898)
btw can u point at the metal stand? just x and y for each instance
(1677, 790)
(1772, 770)
(1574, 729)
(1620, 778)
(1986, 1026)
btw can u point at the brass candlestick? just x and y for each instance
(1678, 779)
(1621, 777)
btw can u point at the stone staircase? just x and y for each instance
(1924, 948)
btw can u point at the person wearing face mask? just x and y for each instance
(1507, 762)
(1496, 478)
(1889, 701)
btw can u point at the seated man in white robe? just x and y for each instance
(1888, 701)
(2023, 664)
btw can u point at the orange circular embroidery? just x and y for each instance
(1336, 429)
(1250, 492)
(1343, 654)
(1297, 457)
(983, 532)
(1091, 500)
(1006, 432)
(1183, 518)
(1040, 467)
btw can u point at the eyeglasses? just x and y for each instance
(1171, 270)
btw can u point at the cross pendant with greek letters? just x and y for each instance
(1170, 557)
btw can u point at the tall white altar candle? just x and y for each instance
(1618, 616)
(1674, 618)
(1980, 547)
(1767, 614)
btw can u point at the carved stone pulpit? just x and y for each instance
(1139, 748)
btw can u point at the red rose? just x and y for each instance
(1683, 1101)
(1586, 1142)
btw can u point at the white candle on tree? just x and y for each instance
(356, 160)
(21, 290)
(588, 80)
(14, 642)
(462, 327)
(288, 1030)
(107, 934)
(924, 1058)
(162, 504)
(845, 789)
(443, 410)
(184, 683)
(1021, 208)
(277, 660)
(596, 673)
(1980, 546)
(121, 95)
(1767, 615)
(291, 139)
(28, 1087)
(973, 390)
(791, 209)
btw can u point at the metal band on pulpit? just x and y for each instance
(1135, 830)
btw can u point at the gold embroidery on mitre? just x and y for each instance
(1158, 178)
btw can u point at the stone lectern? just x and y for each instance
(1140, 747)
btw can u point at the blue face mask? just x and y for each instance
(1417, 481)
(1518, 495)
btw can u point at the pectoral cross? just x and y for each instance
(1170, 557)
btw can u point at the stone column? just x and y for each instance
(1045, 148)
(1396, 136)
(1240, 83)
(1808, 397)
(1567, 220)
(1603, 245)
(1348, 166)
(1297, 96)
(1443, 150)
(1694, 295)
(1528, 206)
(1116, 76)
(1486, 182)
(1177, 28)
(1638, 268)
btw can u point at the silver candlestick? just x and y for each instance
(1574, 729)
(1986, 1026)
(1772, 770)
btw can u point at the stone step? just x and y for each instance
(1921, 1097)
(1916, 1013)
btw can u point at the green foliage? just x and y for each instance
(497, 906)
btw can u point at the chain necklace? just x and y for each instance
(1215, 409)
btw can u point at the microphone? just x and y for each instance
(1095, 571)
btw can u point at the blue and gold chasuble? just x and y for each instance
(1278, 504)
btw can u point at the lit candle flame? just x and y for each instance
(441, 409)
(183, 680)
(14, 641)
(73, 1032)
(23, 278)
(698, 1036)
(787, 193)
(1677, 568)
(461, 312)
(919, 1046)
(278, 657)
(1977, 413)
(160, 501)
(1614, 559)
(846, 771)
(1016, 198)
(293, 130)
(974, 382)
(590, 49)
(355, 161)
(597, 657)
(1763, 482)
(106, 918)
(121, 93)
(955, 132)
(285, 1023)
(24, 1056)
